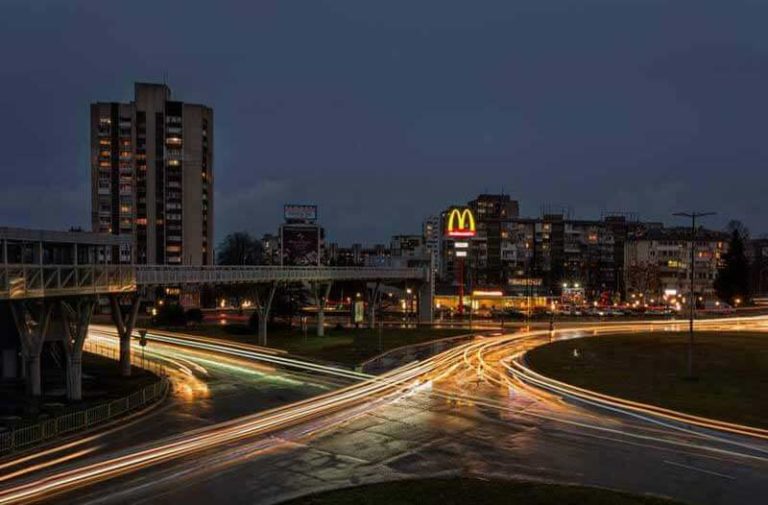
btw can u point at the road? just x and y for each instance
(458, 413)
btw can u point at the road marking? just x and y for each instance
(710, 472)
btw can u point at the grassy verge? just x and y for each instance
(477, 492)
(341, 345)
(731, 371)
(102, 383)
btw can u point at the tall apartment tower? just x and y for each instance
(152, 175)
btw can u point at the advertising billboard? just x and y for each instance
(298, 212)
(300, 245)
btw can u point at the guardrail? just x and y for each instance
(37, 281)
(19, 281)
(36, 433)
(170, 275)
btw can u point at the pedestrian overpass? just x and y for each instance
(50, 281)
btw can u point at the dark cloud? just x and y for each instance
(384, 112)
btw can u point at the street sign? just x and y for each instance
(143, 338)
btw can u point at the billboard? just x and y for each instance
(460, 223)
(297, 212)
(300, 245)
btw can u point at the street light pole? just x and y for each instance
(691, 294)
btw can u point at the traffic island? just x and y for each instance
(462, 491)
(730, 381)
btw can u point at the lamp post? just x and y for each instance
(691, 296)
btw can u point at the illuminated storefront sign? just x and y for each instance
(461, 223)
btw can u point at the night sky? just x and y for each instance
(384, 112)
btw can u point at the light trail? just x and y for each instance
(215, 436)
(477, 358)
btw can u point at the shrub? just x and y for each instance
(170, 314)
(194, 315)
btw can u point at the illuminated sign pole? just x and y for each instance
(460, 225)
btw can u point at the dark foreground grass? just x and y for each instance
(348, 346)
(102, 383)
(730, 371)
(472, 491)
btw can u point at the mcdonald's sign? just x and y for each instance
(460, 223)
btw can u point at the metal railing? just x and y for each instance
(170, 275)
(138, 358)
(27, 436)
(19, 281)
(37, 281)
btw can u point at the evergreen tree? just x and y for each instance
(732, 282)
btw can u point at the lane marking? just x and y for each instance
(702, 470)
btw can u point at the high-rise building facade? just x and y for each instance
(152, 175)
(658, 261)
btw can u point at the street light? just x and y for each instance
(692, 297)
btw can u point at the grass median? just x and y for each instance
(730, 380)
(473, 491)
(348, 346)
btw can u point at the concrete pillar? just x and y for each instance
(76, 320)
(426, 302)
(75, 377)
(263, 306)
(321, 297)
(124, 326)
(32, 337)
(372, 304)
(34, 380)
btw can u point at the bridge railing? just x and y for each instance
(19, 281)
(37, 281)
(160, 275)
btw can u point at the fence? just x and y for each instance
(46, 430)
(137, 356)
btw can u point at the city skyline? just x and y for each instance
(636, 129)
(423, 253)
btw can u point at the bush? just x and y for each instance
(253, 321)
(194, 316)
(170, 315)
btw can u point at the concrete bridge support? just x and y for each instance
(321, 290)
(76, 317)
(125, 324)
(32, 324)
(426, 300)
(263, 296)
(374, 298)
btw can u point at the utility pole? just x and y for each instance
(691, 296)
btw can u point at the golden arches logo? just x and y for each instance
(461, 223)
